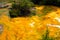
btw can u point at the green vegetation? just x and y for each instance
(45, 10)
(46, 36)
(46, 2)
(22, 8)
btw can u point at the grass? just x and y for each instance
(45, 11)
(3, 11)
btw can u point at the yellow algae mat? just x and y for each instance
(45, 25)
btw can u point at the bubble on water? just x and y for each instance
(58, 26)
(58, 19)
(32, 24)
